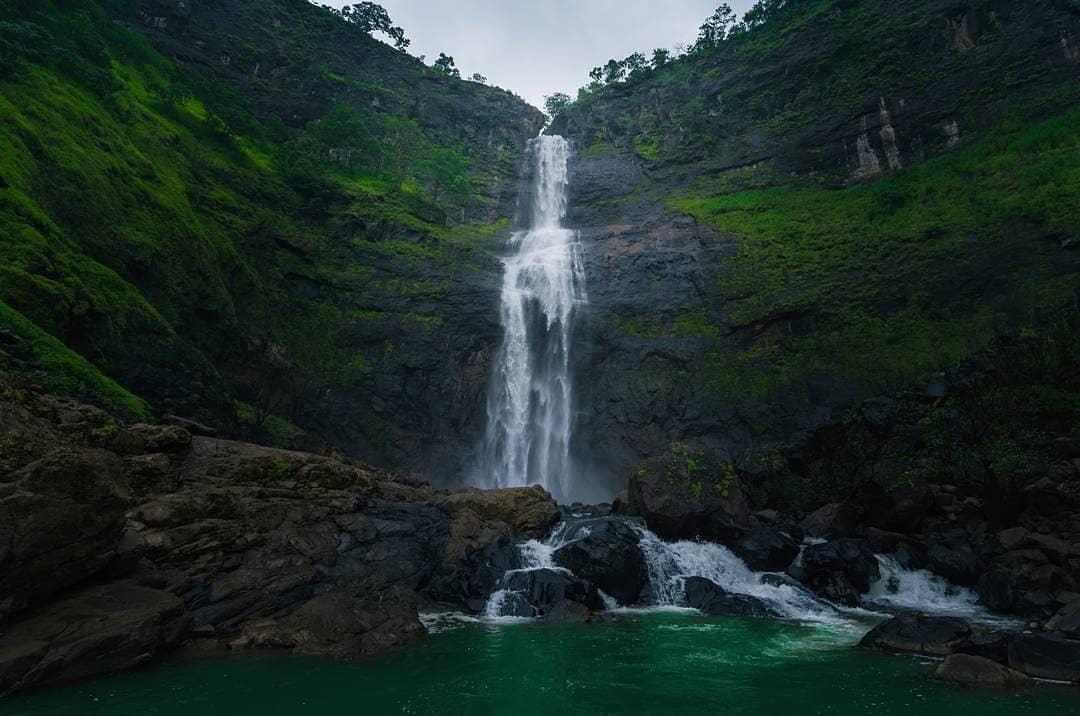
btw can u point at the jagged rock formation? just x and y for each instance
(122, 542)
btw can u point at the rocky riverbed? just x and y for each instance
(123, 542)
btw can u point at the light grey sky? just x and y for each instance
(544, 46)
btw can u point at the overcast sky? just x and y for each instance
(539, 47)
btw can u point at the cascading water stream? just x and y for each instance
(669, 564)
(530, 401)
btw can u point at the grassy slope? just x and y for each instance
(904, 276)
(156, 226)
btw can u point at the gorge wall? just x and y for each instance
(833, 206)
(255, 215)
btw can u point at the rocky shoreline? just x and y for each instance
(121, 543)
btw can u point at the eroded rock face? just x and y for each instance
(766, 549)
(61, 521)
(528, 511)
(609, 557)
(97, 630)
(840, 571)
(918, 633)
(709, 508)
(1046, 657)
(978, 671)
(231, 545)
(340, 625)
(545, 590)
(711, 598)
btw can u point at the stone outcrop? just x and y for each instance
(840, 571)
(608, 556)
(710, 598)
(918, 634)
(676, 505)
(95, 631)
(116, 554)
(978, 671)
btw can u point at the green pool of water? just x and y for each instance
(658, 663)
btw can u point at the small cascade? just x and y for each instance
(507, 604)
(669, 564)
(900, 588)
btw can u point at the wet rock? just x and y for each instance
(515, 605)
(544, 589)
(477, 555)
(61, 521)
(833, 520)
(765, 549)
(972, 670)
(918, 633)
(952, 556)
(530, 512)
(1025, 583)
(840, 571)
(710, 598)
(677, 510)
(97, 630)
(1046, 656)
(782, 580)
(340, 625)
(568, 612)
(1066, 620)
(993, 645)
(609, 557)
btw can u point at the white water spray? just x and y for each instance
(530, 401)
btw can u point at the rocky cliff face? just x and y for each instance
(785, 225)
(288, 231)
(120, 542)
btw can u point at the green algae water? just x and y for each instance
(651, 663)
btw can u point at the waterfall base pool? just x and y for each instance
(647, 663)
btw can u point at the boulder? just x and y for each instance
(1046, 656)
(341, 625)
(840, 571)
(1066, 620)
(1024, 582)
(837, 519)
(971, 670)
(609, 557)
(993, 645)
(765, 549)
(95, 631)
(918, 633)
(476, 557)
(61, 521)
(952, 556)
(544, 589)
(530, 512)
(568, 612)
(677, 505)
(707, 596)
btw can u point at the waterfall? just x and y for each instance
(530, 400)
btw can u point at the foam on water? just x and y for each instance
(669, 564)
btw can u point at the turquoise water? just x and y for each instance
(655, 663)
